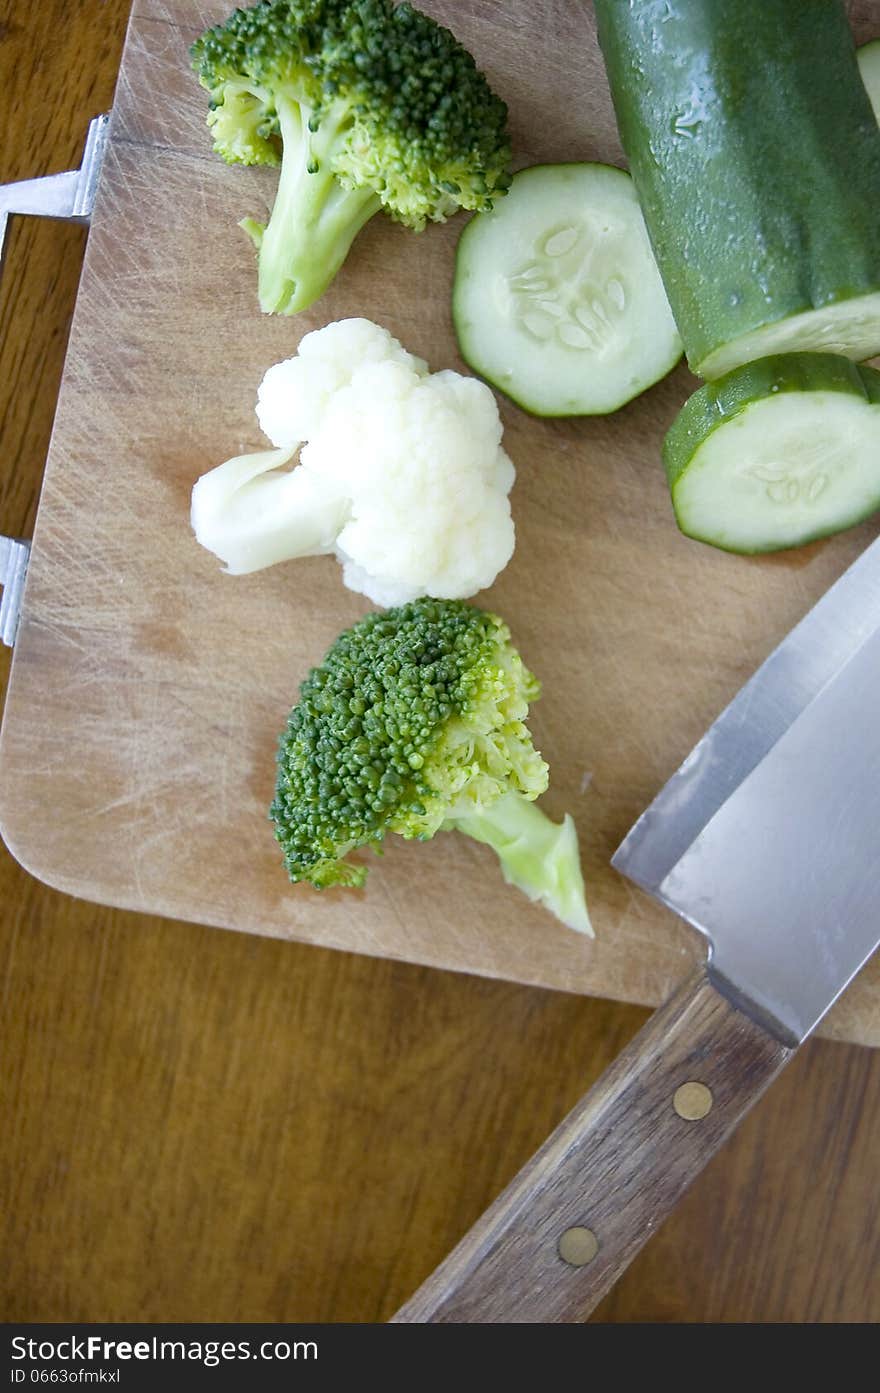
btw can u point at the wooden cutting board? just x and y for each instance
(148, 689)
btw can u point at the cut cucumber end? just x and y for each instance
(869, 66)
(777, 454)
(849, 327)
(557, 300)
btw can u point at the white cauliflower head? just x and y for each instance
(293, 394)
(401, 472)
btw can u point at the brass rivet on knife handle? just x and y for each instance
(619, 1162)
(692, 1101)
(578, 1246)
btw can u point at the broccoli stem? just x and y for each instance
(538, 856)
(314, 220)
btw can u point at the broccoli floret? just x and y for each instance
(365, 105)
(415, 723)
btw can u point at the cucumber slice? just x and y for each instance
(777, 453)
(869, 67)
(750, 137)
(557, 300)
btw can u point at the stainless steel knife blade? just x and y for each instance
(767, 839)
(793, 675)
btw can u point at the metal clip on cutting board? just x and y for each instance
(766, 840)
(69, 196)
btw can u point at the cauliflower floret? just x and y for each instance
(293, 393)
(401, 472)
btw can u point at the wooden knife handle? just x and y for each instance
(578, 1212)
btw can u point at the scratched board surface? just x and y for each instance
(148, 689)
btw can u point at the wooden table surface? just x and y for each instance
(201, 1125)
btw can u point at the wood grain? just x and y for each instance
(613, 1170)
(149, 688)
(211, 1126)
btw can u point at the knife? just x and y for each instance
(767, 840)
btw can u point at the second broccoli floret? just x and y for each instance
(415, 723)
(365, 105)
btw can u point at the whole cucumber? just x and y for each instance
(756, 156)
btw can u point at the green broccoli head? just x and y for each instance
(415, 723)
(367, 105)
(427, 133)
(254, 58)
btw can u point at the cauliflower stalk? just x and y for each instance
(400, 473)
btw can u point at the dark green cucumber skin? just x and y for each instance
(715, 404)
(755, 154)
